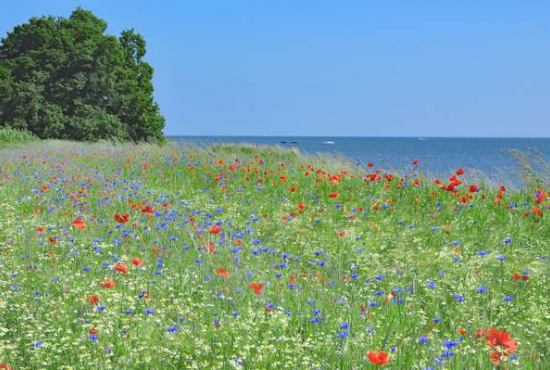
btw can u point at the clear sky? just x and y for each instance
(337, 68)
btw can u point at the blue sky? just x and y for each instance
(337, 68)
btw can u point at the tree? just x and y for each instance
(65, 78)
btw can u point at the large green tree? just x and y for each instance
(65, 78)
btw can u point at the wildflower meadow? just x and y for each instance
(241, 257)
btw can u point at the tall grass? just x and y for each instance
(9, 136)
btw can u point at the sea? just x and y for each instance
(494, 158)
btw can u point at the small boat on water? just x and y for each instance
(294, 142)
(328, 142)
(422, 138)
(283, 142)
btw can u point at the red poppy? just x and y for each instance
(122, 219)
(379, 358)
(79, 224)
(93, 331)
(120, 267)
(473, 188)
(93, 299)
(257, 288)
(41, 229)
(52, 241)
(416, 162)
(147, 209)
(496, 337)
(137, 261)
(516, 276)
(333, 195)
(215, 229)
(224, 273)
(495, 356)
(5, 366)
(460, 171)
(301, 207)
(108, 284)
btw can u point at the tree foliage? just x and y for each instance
(65, 78)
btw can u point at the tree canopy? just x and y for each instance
(65, 78)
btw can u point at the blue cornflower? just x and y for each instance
(344, 326)
(431, 284)
(449, 344)
(481, 289)
(93, 337)
(423, 340)
(149, 311)
(343, 334)
(501, 257)
(173, 329)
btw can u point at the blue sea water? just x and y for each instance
(437, 156)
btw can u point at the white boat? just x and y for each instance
(328, 142)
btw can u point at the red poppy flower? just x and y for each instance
(379, 358)
(93, 331)
(257, 288)
(495, 356)
(122, 219)
(108, 284)
(147, 209)
(460, 171)
(416, 162)
(215, 229)
(120, 267)
(137, 261)
(93, 299)
(333, 195)
(496, 337)
(301, 207)
(224, 273)
(516, 276)
(5, 366)
(52, 241)
(79, 224)
(473, 188)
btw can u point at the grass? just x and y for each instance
(9, 136)
(343, 262)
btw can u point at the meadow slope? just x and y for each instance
(239, 257)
